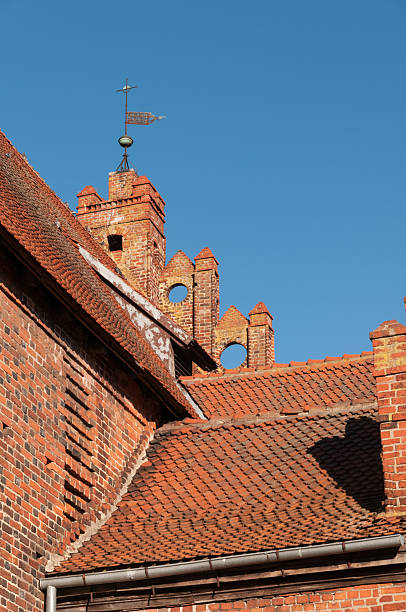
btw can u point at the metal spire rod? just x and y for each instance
(134, 118)
(125, 141)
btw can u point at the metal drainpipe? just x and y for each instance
(51, 598)
(219, 564)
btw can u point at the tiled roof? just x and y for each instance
(45, 227)
(284, 389)
(216, 488)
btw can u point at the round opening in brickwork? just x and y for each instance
(177, 293)
(233, 356)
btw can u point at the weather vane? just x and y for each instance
(131, 118)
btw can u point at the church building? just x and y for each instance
(136, 472)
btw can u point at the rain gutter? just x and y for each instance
(216, 565)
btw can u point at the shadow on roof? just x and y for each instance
(354, 462)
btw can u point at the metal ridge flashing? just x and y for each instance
(217, 564)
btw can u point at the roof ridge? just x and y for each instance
(280, 368)
(189, 424)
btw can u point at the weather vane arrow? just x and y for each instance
(132, 118)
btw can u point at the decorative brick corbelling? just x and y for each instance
(87, 197)
(138, 458)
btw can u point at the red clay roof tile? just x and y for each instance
(296, 388)
(243, 485)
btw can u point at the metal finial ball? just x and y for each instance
(125, 141)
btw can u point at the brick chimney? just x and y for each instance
(130, 225)
(389, 348)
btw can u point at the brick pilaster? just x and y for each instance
(261, 348)
(206, 299)
(389, 347)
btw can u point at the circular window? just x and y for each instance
(233, 356)
(177, 293)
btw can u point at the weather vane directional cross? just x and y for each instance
(132, 118)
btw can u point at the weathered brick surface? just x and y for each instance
(232, 329)
(206, 300)
(365, 598)
(69, 432)
(389, 345)
(178, 271)
(135, 211)
(261, 346)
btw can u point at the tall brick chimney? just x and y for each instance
(389, 348)
(130, 225)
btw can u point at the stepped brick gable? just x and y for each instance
(136, 472)
(232, 329)
(130, 227)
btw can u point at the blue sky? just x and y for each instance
(283, 149)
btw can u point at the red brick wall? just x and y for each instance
(206, 300)
(178, 271)
(135, 211)
(261, 344)
(376, 598)
(69, 434)
(389, 346)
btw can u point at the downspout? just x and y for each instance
(51, 598)
(217, 564)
